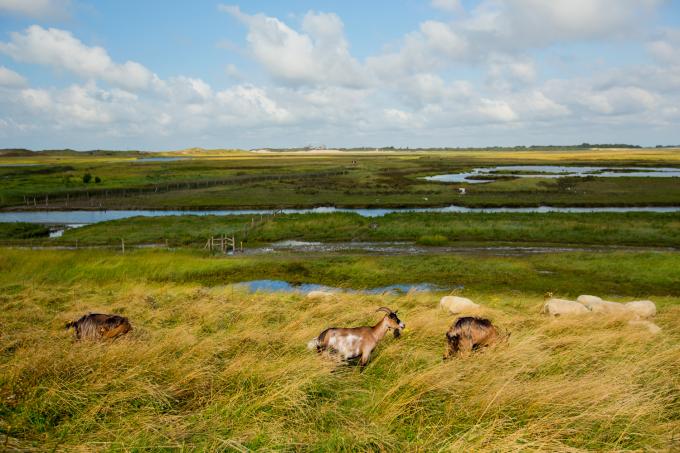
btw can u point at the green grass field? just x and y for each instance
(612, 229)
(209, 367)
(277, 180)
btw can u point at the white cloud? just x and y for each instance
(447, 5)
(38, 9)
(514, 69)
(666, 48)
(521, 24)
(9, 78)
(433, 46)
(508, 29)
(247, 102)
(480, 77)
(61, 50)
(317, 55)
(36, 99)
(496, 110)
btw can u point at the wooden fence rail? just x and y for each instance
(222, 244)
(96, 196)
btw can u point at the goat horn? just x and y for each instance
(385, 309)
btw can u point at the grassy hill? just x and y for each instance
(210, 367)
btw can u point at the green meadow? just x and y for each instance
(607, 229)
(240, 179)
(211, 367)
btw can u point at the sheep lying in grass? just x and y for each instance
(640, 308)
(352, 342)
(97, 326)
(563, 307)
(314, 295)
(469, 333)
(597, 305)
(457, 304)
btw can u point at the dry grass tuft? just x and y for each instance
(218, 369)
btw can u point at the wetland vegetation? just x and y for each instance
(238, 179)
(210, 366)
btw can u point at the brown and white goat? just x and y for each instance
(469, 333)
(352, 342)
(96, 326)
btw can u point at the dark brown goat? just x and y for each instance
(469, 333)
(96, 326)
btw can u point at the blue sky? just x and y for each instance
(169, 75)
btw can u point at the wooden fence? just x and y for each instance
(223, 243)
(233, 241)
(97, 197)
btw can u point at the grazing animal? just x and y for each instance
(638, 308)
(457, 304)
(560, 307)
(469, 333)
(352, 342)
(96, 326)
(587, 300)
(319, 295)
(641, 308)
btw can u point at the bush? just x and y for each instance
(97, 179)
(21, 230)
(435, 239)
(87, 178)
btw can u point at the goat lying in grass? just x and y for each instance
(469, 333)
(96, 326)
(353, 342)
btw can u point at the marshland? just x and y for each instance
(412, 226)
(212, 365)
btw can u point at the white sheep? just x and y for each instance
(319, 295)
(588, 300)
(457, 304)
(597, 305)
(641, 308)
(560, 307)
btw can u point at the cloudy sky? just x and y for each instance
(168, 75)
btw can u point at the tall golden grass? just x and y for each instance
(215, 369)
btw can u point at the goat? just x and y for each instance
(352, 342)
(96, 326)
(469, 333)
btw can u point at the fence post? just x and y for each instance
(122, 244)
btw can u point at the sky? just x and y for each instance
(161, 75)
